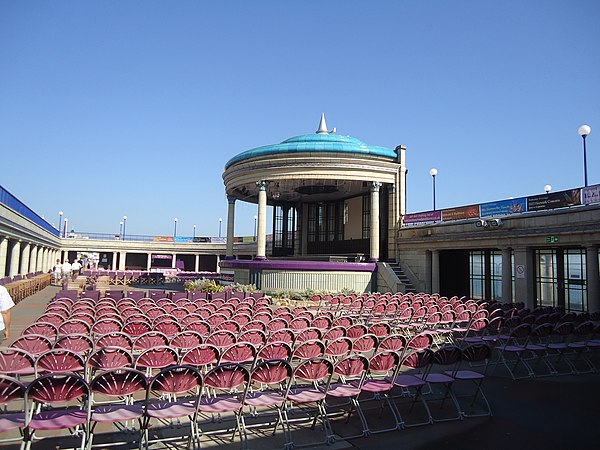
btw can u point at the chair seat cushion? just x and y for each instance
(220, 405)
(58, 420)
(117, 413)
(306, 395)
(169, 410)
(264, 399)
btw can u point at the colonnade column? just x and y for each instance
(25, 259)
(33, 260)
(149, 262)
(230, 226)
(114, 261)
(524, 277)
(374, 221)
(196, 263)
(14, 259)
(218, 268)
(507, 285)
(174, 261)
(593, 281)
(122, 256)
(261, 240)
(435, 271)
(3, 253)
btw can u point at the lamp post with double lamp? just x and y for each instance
(584, 131)
(60, 214)
(547, 188)
(124, 225)
(220, 224)
(433, 172)
(175, 228)
(255, 219)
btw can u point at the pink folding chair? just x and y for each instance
(108, 358)
(338, 348)
(258, 338)
(377, 387)
(203, 357)
(308, 387)
(228, 382)
(239, 353)
(308, 350)
(119, 385)
(12, 392)
(334, 333)
(44, 328)
(185, 340)
(172, 394)
(82, 344)
(284, 335)
(150, 339)
(221, 338)
(106, 325)
(115, 339)
(275, 350)
(65, 397)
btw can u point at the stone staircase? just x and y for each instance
(402, 276)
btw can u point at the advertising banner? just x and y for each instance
(463, 212)
(162, 238)
(553, 200)
(218, 240)
(591, 194)
(423, 217)
(504, 207)
(162, 256)
(183, 239)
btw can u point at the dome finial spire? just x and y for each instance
(322, 125)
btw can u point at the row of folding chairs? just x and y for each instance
(272, 394)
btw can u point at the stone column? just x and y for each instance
(218, 268)
(507, 270)
(3, 255)
(174, 261)
(230, 226)
(304, 230)
(524, 277)
(24, 270)
(374, 228)
(593, 281)
(14, 259)
(33, 260)
(435, 271)
(393, 220)
(122, 256)
(149, 262)
(196, 263)
(261, 240)
(114, 261)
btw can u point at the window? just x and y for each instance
(477, 274)
(575, 280)
(547, 278)
(366, 216)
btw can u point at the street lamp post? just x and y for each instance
(584, 131)
(547, 188)
(194, 232)
(60, 214)
(220, 223)
(175, 229)
(255, 219)
(121, 230)
(124, 225)
(433, 172)
(65, 230)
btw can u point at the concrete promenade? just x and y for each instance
(545, 413)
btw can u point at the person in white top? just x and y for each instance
(6, 303)
(57, 272)
(76, 269)
(66, 270)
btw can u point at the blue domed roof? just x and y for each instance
(321, 142)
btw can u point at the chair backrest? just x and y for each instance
(419, 359)
(115, 339)
(59, 360)
(10, 389)
(384, 362)
(119, 382)
(56, 388)
(449, 355)
(393, 342)
(150, 339)
(352, 367)
(476, 352)
(15, 361)
(110, 358)
(33, 343)
(283, 335)
(185, 340)
(240, 353)
(156, 358)
(203, 355)
(334, 333)
(176, 379)
(309, 350)
(273, 371)
(313, 370)
(365, 343)
(79, 343)
(44, 328)
(339, 347)
(420, 341)
(227, 377)
(275, 350)
(221, 338)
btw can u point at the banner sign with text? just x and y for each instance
(553, 200)
(591, 194)
(423, 217)
(504, 207)
(463, 212)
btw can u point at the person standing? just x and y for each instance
(57, 272)
(6, 303)
(75, 269)
(66, 270)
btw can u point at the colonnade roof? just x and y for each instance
(321, 143)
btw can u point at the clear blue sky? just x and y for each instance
(112, 108)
